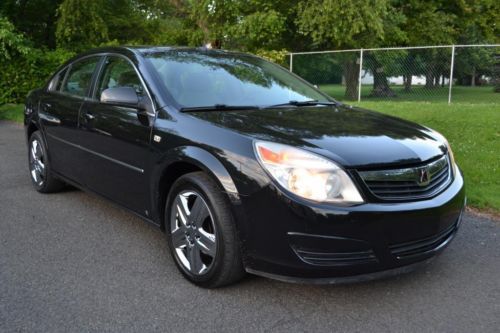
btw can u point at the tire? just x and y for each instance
(202, 241)
(39, 166)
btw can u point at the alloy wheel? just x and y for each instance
(193, 233)
(37, 162)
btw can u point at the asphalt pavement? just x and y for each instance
(72, 262)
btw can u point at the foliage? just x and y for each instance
(37, 66)
(342, 23)
(260, 29)
(279, 57)
(23, 66)
(36, 32)
(81, 24)
(427, 23)
(320, 68)
(36, 19)
(11, 42)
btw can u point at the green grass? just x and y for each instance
(460, 94)
(12, 112)
(473, 131)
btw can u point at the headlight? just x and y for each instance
(448, 148)
(452, 157)
(307, 175)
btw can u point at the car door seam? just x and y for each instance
(98, 154)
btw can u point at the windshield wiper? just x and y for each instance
(312, 102)
(219, 107)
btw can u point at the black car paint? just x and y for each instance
(112, 153)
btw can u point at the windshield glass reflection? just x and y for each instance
(205, 78)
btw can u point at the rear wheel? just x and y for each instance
(201, 232)
(40, 171)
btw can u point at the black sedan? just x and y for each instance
(245, 166)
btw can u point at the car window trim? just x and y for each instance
(56, 79)
(101, 71)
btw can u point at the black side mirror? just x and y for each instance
(125, 96)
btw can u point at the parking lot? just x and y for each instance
(72, 262)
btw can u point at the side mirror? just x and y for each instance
(125, 96)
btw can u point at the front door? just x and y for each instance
(117, 140)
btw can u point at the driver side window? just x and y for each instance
(117, 73)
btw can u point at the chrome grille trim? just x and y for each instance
(404, 184)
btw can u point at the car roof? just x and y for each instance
(143, 50)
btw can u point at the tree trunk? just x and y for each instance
(380, 85)
(473, 78)
(407, 82)
(429, 76)
(436, 81)
(351, 75)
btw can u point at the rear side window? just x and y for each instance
(60, 80)
(80, 77)
(57, 81)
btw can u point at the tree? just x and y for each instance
(36, 19)
(473, 62)
(250, 25)
(271, 28)
(344, 24)
(428, 23)
(382, 64)
(12, 43)
(81, 24)
(24, 67)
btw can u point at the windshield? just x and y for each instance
(207, 78)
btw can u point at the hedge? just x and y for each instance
(24, 72)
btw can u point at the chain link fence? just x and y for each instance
(451, 73)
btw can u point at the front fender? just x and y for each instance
(195, 156)
(210, 164)
(202, 159)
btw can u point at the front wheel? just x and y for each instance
(201, 232)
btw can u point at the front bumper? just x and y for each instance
(300, 241)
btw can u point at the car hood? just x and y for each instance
(351, 136)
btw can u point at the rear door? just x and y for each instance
(117, 139)
(59, 115)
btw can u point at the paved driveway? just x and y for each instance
(72, 262)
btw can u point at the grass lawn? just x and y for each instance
(460, 94)
(12, 112)
(472, 129)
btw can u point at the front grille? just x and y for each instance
(420, 247)
(336, 258)
(418, 182)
